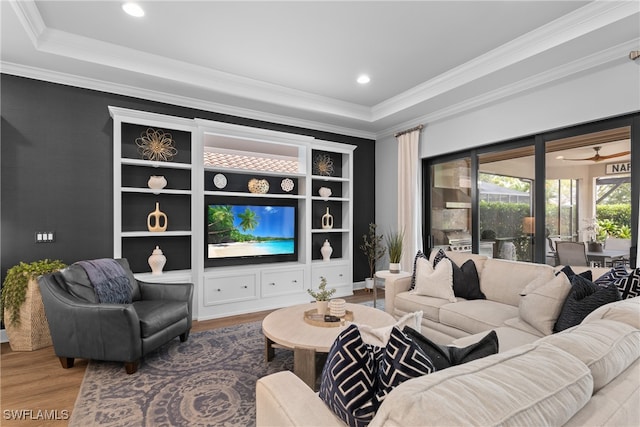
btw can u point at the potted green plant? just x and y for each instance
(394, 241)
(22, 308)
(374, 250)
(322, 296)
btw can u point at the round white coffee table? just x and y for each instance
(286, 328)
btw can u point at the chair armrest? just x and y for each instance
(89, 330)
(392, 287)
(169, 291)
(283, 399)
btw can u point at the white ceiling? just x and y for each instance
(296, 62)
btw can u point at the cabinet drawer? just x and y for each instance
(218, 290)
(282, 282)
(335, 275)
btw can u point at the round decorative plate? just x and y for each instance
(220, 180)
(287, 184)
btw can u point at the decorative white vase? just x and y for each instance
(157, 260)
(394, 267)
(157, 182)
(327, 220)
(324, 192)
(337, 307)
(326, 250)
(321, 307)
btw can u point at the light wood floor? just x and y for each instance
(34, 381)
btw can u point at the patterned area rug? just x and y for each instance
(207, 381)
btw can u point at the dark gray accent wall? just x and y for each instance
(56, 163)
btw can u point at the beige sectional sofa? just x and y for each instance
(501, 281)
(585, 375)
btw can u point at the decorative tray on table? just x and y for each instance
(313, 318)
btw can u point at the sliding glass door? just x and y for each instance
(506, 203)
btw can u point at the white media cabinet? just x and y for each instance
(206, 149)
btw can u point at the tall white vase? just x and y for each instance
(326, 250)
(157, 260)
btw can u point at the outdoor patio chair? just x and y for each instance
(572, 253)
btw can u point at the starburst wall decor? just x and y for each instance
(323, 165)
(156, 145)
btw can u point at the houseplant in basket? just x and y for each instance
(322, 296)
(22, 308)
(374, 250)
(394, 242)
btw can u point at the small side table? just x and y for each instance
(385, 274)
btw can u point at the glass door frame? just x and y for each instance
(539, 142)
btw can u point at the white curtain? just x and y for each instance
(409, 196)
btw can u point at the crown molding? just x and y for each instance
(588, 18)
(173, 99)
(612, 55)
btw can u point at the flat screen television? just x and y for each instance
(250, 231)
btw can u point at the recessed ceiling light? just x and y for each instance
(133, 9)
(363, 79)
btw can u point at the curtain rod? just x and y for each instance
(419, 127)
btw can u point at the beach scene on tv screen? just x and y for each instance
(247, 230)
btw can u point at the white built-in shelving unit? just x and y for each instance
(229, 290)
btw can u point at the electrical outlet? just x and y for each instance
(45, 236)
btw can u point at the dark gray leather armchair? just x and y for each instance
(82, 327)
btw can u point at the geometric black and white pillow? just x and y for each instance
(419, 255)
(348, 378)
(401, 360)
(629, 286)
(616, 273)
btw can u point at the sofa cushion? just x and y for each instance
(476, 315)
(409, 302)
(615, 405)
(625, 311)
(443, 356)
(584, 297)
(508, 337)
(157, 315)
(503, 281)
(490, 391)
(605, 346)
(434, 282)
(542, 301)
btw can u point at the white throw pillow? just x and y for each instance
(435, 282)
(542, 301)
(380, 336)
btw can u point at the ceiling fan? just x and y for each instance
(598, 158)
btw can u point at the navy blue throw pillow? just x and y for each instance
(629, 286)
(584, 297)
(570, 273)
